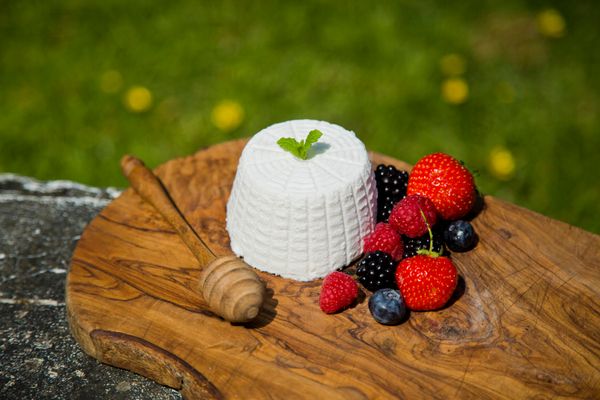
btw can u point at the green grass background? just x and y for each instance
(372, 67)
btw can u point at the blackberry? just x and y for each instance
(391, 188)
(412, 245)
(377, 271)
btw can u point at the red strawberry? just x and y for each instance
(447, 183)
(337, 292)
(412, 214)
(384, 238)
(426, 282)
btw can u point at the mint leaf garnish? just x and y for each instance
(290, 144)
(300, 148)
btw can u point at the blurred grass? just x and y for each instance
(67, 66)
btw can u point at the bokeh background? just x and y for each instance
(510, 87)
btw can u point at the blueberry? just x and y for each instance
(387, 306)
(460, 236)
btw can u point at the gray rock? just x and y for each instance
(40, 224)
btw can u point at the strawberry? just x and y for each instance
(337, 292)
(412, 214)
(426, 282)
(446, 182)
(384, 238)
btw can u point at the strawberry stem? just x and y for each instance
(429, 252)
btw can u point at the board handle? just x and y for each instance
(230, 287)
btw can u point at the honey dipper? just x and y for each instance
(230, 286)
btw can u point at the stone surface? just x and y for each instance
(40, 223)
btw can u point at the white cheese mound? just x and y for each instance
(302, 219)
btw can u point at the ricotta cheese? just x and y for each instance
(302, 219)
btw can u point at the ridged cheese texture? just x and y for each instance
(302, 219)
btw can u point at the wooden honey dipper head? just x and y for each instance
(231, 288)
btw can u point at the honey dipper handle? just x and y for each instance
(147, 185)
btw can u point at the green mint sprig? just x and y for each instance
(300, 148)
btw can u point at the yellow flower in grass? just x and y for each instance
(138, 99)
(111, 81)
(550, 23)
(455, 90)
(501, 163)
(227, 115)
(453, 65)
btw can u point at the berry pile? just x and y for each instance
(406, 264)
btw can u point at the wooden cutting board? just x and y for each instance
(525, 322)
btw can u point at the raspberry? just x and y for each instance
(337, 292)
(391, 188)
(386, 239)
(412, 214)
(376, 271)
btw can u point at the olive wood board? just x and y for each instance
(524, 322)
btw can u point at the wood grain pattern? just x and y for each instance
(525, 324)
